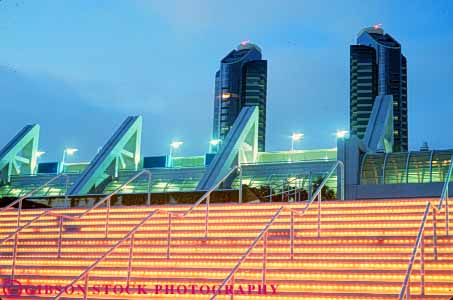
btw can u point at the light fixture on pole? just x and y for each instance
(341, 134)
(296, 136)
(213, 144)
(34, 165)
(173, 146)
(40, 153)
(67, 151)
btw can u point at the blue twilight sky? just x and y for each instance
(79, 68)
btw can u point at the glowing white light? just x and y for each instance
(297, 136)
(176, 144)
(342, 133)
(71, 151)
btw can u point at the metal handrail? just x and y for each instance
(15, 234)
(263, 235)
(264, 232)
(337, 164)
(19, 228)
(282, 186)
(208, 193)
(29, 194)
(61, 217)
(129, 235)
(419, 243)
(206, 196)
(444, 196)
(109, 197)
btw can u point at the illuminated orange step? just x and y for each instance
(363, 252)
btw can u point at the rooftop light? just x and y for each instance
(176, 144)
(342, 134)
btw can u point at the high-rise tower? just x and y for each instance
(240, 81)
(377, 67)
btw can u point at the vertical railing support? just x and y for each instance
(435, 233)
(408, 290)
(263, 278)
(107, 218)
(60, 235)
(66, 198)
(291, 235)
(206, 221)
(16, 241)
(422, 266)
(85, 292)
(240, 183)
(283, 190)
(270, 192)
(342, 187)
(148, 199)
(319, 214)
(232, 288)
(131, 256)
(446, 213)
(169, 234)
(19, 214)
(13, 267)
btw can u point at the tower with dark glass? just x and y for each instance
(240, 81)
(377, 67)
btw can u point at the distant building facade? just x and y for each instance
(377, 67)
(240, 81)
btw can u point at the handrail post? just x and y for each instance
(13, 267)
(263, 279)
(169, 234)
(319, 214)
(342, 172)
(207, 218)
(291, 235)
(408, 290)
(240, 183)
(60, 234)
(446, 213)
(435, 233)
(283, 188)
(148, 199)
(85, 294)
(66, 197)
(107, 218)
(19, 214)
(131, 255)
(232, 287)
(422, 265)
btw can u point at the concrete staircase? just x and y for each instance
(363, 253)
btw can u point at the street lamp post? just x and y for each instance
(173, 146)
(66, 151)
(38, 155)
(296, 136)
(213, 144)
(341, 134)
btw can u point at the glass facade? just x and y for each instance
(405, 167)
(240, 81)
(377, 67)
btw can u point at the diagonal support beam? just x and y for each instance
(122, 151)
(240, 146)
(20, 154)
